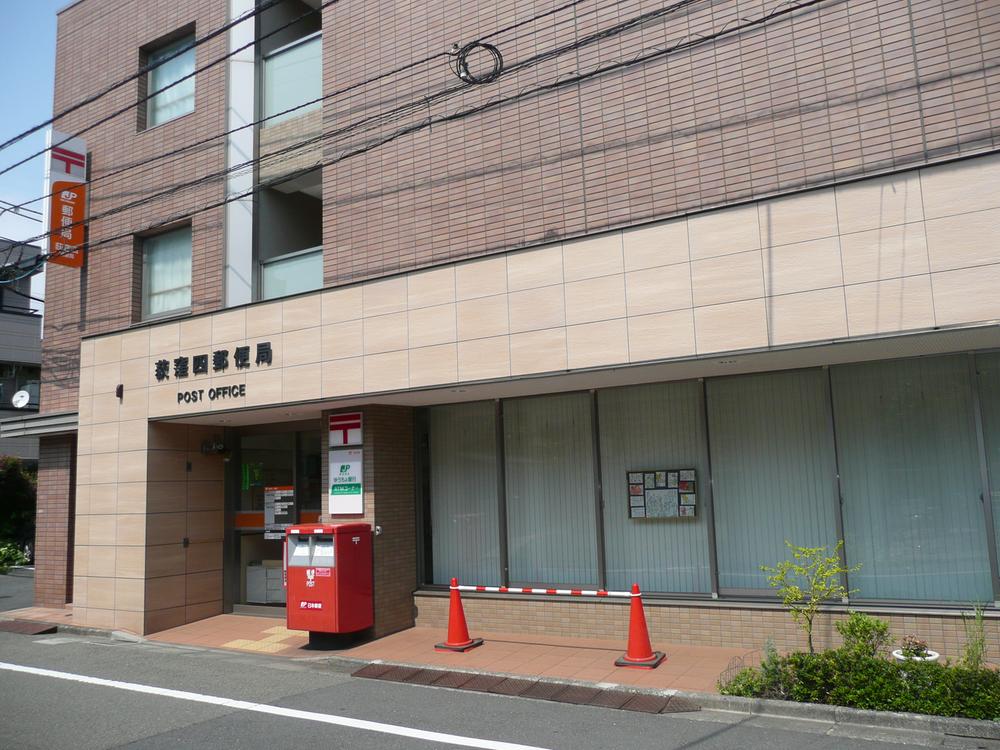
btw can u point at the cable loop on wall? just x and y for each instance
(462, 62)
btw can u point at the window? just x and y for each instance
(910, 480)
(166, 273)
(551, 511)
(293, 75)
(177, 100)
(773, 470)
(465, 525)
(653, 427)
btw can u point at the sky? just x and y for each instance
(28, 41)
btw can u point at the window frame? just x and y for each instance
(146, 53)
(142, 275)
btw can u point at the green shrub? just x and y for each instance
(10, 555)
(974, 653)
(842, 678)
(864, 635)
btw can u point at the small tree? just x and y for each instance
(811, 577)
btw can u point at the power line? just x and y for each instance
(643, 56)
(146, 164)
(141, 72)
(287, 152)
(196, 71)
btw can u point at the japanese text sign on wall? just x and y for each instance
(183, 367)
(346, 464)
(65, 182)
(662, 493)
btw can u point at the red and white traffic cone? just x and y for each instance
(458, 631)
(639, 654)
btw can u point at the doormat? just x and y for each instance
(580, 695)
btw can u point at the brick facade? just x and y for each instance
(678, 623)
(835, 91)
(54, 521)
(390, 503)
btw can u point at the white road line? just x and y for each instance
(263, 708)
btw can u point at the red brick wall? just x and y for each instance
(98, 42)
(54, 521)
(390, 502)
(842, 89)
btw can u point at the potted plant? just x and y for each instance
(913, 649)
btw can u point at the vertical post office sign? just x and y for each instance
(66, 184)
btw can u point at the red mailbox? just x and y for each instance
(328, 570)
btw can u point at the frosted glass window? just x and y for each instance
(910, 480)
(166, 272)
(773, 470)
(465, 530)
(551, 515)
(292, 77)
(291, 274)
(177, 100)
(653, 427)
(988, 368)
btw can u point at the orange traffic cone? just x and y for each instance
(458, 631)
(639, 653)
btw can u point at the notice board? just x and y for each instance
(662, 493)
(279, 511)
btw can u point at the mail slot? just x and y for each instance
(328, 574)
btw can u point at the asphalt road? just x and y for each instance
(17, 589)
(305, 703)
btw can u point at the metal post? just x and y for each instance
(602, 568)
(501, 492)
(986, 495)
(713, 559)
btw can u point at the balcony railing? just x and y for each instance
(291, 273)
(293, 75)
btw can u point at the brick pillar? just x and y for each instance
(54, 516)
(390, 502)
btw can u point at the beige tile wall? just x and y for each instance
(905, 252)
(142, 489)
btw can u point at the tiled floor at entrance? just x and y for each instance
(686, 667)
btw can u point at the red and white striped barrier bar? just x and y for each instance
(551, 592)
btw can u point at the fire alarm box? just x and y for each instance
(328, 570)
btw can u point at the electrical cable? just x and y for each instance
(288, 151)
(141, 72)
(192, 74)
(643, 56)
(146, 164)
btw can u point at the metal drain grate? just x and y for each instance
(647, 704)
(425, 676)
(26, 627)
(581, 695)
(512, 686)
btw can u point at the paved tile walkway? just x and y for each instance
(685, 668)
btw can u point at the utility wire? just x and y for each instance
(288, 152)
(141, 72)
(147, 164)
(192, 74)
(693, 40)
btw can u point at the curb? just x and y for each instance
(939, 726)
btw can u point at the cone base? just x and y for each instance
(651, 663)
(459, 647)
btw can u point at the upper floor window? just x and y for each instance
(173, 61)
(166, 273)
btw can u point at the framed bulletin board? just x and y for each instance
(662, 493)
